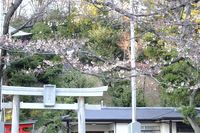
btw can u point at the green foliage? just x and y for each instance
(180, 74)
(51, 75)
(141, 56)
(121, 94)
(177, 97)
(176, 80)
(21, 78)
(197, 99)
(169, 55)
(69, 28)
(189, 111)
(22, 71)
(55, 15)
(74, 27)
(84, 25)
(172, 30)
(29, 62)
(149, 37)
(41, 31)
(74, 79)
(140, 98)
(152, 52)
(103, 40)
(156, 48)
(49, 120)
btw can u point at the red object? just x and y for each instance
(22, 126)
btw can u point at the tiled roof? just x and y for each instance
(124, 114)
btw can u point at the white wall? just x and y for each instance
(164, 128)
(121, 128)
(174, 127)
(96, 127)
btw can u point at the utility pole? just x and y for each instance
(133, 69)
(134, 127)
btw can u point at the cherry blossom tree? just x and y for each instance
(158, 19)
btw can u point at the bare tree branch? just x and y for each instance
(129, 15)
(35, 17)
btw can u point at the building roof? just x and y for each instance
(19, 33)
(124, 114)
(24, 122)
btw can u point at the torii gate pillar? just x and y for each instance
(16, 108)
(15, 114)
(81, 115)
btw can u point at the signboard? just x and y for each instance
(134, 127)
(8, 114)
(49, 96)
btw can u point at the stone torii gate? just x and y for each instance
(49, 93)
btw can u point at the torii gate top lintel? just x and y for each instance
(39, 91)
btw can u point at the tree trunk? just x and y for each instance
(192, 97)
(9, 15)
(3, 52)
(192, 121)
(6, 24)
(194, 125)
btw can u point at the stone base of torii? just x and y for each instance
(49, 93)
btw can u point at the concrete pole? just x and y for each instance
(134, 127)
(15, 114)
(81, 115)
(133, 66)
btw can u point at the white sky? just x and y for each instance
(27, 8)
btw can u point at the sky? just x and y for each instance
(27, 9)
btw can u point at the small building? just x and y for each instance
(24, 127)
(19, 33)
(116, 120)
